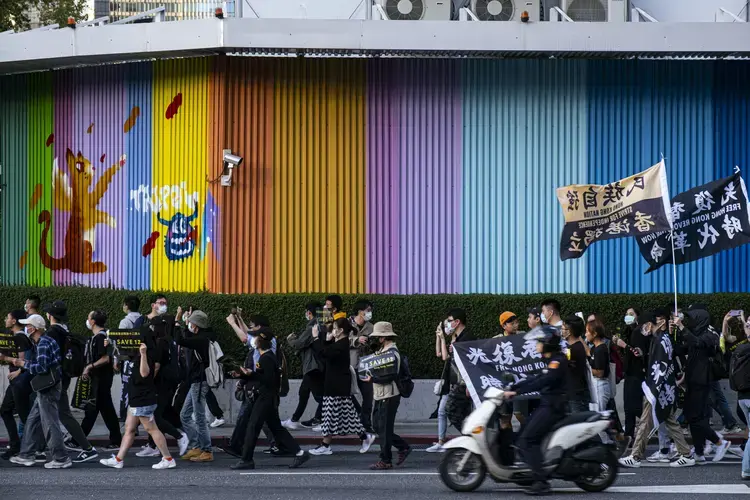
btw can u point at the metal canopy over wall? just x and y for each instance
(43, 50)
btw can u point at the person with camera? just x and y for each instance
(358, 347)
(142, 403)
(266, 379)
(44, 364)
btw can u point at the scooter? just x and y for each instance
(572, 451)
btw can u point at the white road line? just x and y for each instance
(321, 473)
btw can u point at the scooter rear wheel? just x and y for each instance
(463, 478)
(602, 481)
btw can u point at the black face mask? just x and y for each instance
(374, 344)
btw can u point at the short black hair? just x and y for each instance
(156, 297)
(99, 318)
(313, 306)
(336, 301)
(636, 310)
(132, 302)
(662, 313)
(459, 314)
(18, 314)
(344, 324)
(575, 325)
(263, 341)
(555, 305)
(259, 320)
(35, 301)
(649, 317)
(361, 305)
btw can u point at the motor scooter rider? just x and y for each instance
(552, 386)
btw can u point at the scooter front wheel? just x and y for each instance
(605, 479)
(461, 470)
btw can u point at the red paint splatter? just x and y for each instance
(174, 106)
(130, 122)
(150, 244)
(101, 159)
(122, 161)
(23, 259)
(193, 236)
(36, 196)
(50, 140)
(90, 129)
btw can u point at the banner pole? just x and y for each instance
(674, 257)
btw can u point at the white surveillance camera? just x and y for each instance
(232, 160)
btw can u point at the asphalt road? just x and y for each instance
(342, 476)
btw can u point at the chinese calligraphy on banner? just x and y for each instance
(629, 207)
(707, 220)
(481, 363)
(660, 386)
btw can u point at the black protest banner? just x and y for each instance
(707, 220)
(84, 395)
(8, 344)
(127, 341)
(380, 365)
(660, 387)
(482, 362)
(632, 206)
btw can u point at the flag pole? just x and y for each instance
(674, 257)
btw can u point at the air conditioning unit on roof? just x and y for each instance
(596, 11)
(417, 10)
(505, 10)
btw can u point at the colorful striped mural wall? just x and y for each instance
(359, 176)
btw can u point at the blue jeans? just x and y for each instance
(442, 418)
(745, 405)
(720, 404)
(193, 417)
(603, 395)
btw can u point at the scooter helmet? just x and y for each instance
(549, 336)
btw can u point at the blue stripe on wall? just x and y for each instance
(637, 111)
(138, 145)
(732, 147)
(524, 126)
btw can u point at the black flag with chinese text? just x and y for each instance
(706, 220)
(633, 206)
(660, 386)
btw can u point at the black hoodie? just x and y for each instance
(701, 341)
(197, 358)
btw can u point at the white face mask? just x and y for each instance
(88, 325)
(368, 316)
(26, 307)
(28, 330)
(162, 309)
(448, 325)
(252, 342)
(646, 331)
(629, 320)
(543, 317)
(184, 317)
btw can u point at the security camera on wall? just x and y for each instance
(231, 161)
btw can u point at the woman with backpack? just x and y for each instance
(340, 418)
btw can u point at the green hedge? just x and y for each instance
(414, 317)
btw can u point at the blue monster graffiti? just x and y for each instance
(181, 238)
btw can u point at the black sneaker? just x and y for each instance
(311, 423)
(271, 451)
(40, 458)
(276, 452)
(71, 445)
(111, 446)
(242, 465)
(538, 488)
(403, 455)
(300, 460)
(231, 451)
(85, 456)
(9, 452)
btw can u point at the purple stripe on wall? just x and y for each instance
(414, 177)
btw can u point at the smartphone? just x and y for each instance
(323, 317)
(736, 312)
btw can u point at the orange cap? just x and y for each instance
(506, 316)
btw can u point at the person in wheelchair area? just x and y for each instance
(552, 386)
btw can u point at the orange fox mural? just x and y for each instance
(72, 194)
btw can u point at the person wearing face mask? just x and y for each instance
(654, 325)
(32, 304)
(43, 422)
(635, 347)
(340, 418)
(132, 321)
(197, 341)
(18, 395)
(99, 369)
(551, 313)
(388, 398)
(334, 303)
(359, 346)
(312, 371)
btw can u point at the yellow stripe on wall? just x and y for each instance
(319, 172)
(180, 115)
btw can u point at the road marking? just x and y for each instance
(319, 473)
(692, 489)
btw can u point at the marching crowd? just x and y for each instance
(168, 382)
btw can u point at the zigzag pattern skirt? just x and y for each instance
(340, 418)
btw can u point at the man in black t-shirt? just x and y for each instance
(99, 368)
(18, 395)
(578, 390)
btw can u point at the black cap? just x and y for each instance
(534, 310)
(57, 310)
(647, 317)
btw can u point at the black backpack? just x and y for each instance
(170, 374)
(73, 357)
(283, 372)
(739, 369)
(405, 383)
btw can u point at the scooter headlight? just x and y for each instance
(478, 429)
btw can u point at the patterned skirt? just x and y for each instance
(340, 418)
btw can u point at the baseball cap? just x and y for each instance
(36, 321)
(506, 317)
(536, 311)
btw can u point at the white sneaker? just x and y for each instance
(217, 423)
(291, 425)
(736, 451)
(65, 464)
(112, 462)
(183, 443)
(318, 428)
(165, 464)
(321, 450)
(26, 462)
(658, 457)
(683, 461)
(721, 450)
(367, 443)
(435, 448)
(630, 462)
(147, 451)
(708, 448)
